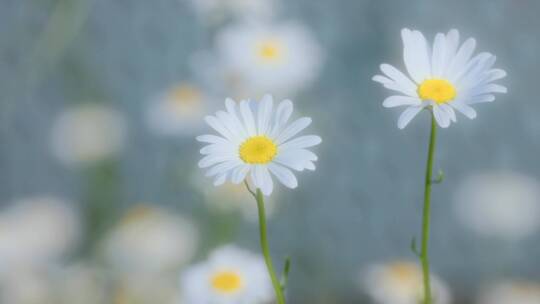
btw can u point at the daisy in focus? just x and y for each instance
(256, 142)
(400, 282)
(280, 58)
(230, 276)
(444, 77)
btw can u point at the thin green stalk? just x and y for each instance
(265, 248)
(424, 257)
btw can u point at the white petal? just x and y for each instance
(295, 158)
(218, 148)
(228, 122)
(212, 159)
(439, 55)
(264, 114)
(262, 179)
(223, 167)
(452, 44)
(212, 139)
(416, 55)
(396, 100)
(473, 70)
(481, 99)
(293, 129)
(301, 142)
(441, 117)
(231, 106)
(489, 88)
(239, 174)
(464, 109)
(449, 111)
(408, 115)
(283, 113)
(284, 175)
(217, 125)
(247, 116)
(220, 179)
(462, 57)
(406, 85)
(382, 79)
(310, 166)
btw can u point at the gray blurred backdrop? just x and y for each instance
(363, 203)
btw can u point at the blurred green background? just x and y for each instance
(78, 82)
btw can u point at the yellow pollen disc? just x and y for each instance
(258, 150)
(439, 90)
(269, 51)
(226, 282)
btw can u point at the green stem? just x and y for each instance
(424, 257)
(265, 248)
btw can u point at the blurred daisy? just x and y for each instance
(229, 276)
(215, 11)
(444, 77)
(149, 240)
(511, 292)
(400, 282)
(501, 205)
(278, 58)
(35, 231)
(178, 111)
(88, 133)
(26, 287)
(256, 141)
(81, 284)
(231, 198)
(161, 289)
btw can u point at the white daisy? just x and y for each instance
(150, 240)
(230, 276)
(401, 282)
(279, 58)
(178, 111)
(444, 77)
(37, 231)
(511, 292)
(500, 205)
(88, 133)
(257, 141)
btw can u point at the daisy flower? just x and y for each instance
(280, 58)
(444, 77)
(230, 276)
(400, 282)
(256, 142)
(177, 111)
(150, 240)
(88, 133)
(499, 205)
(510, 292)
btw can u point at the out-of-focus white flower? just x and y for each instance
(230, 276)
(36, 230)
(401, 282)
(81, 284)
(281, 58)
(215, 11)
(88, 133)
(161, 289)
(231, 198)
(178, 111)
(511, 292)
(26, 287)
(500, 205)
(150, 240)
(443, 78)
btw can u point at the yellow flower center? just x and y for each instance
(439, 90)
(270, 51)
(258, 150)
(226, 282)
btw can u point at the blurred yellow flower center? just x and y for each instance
(270, 51)
(258, 150)
(226, 282)
(439, 90)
